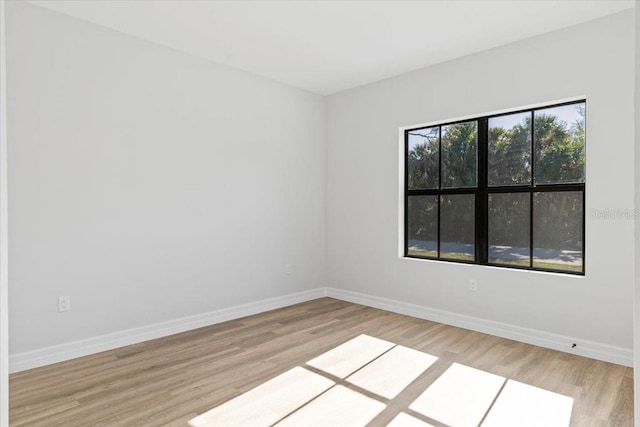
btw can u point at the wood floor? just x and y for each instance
(170, 380)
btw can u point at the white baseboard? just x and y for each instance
(58, 353)
(594, 350)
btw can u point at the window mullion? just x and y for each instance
(482, 194)
(439, 188)
(533, 185)
(406, 192)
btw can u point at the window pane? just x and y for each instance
(422, 226)
(509, 149)
(423, 158)
(509, 229)
(459, 155)
(557, 230)
(457, 227)
(559, 137)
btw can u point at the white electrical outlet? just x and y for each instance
(64, 304)
(288, 268)
(473, 285)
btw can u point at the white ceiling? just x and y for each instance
(329, 46)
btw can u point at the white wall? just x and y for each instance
(363, 192)
(636, 330)
(4, 305)
(150, 185)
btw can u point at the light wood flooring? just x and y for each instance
(170, 380)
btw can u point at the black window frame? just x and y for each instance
(482, 190)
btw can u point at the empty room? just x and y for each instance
(319, 213)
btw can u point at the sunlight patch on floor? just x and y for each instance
(350, 356)
(268, 402)
(392, 372)
(528, 406)
(460, 397)
(339, 406)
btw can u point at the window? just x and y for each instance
(505, 190)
